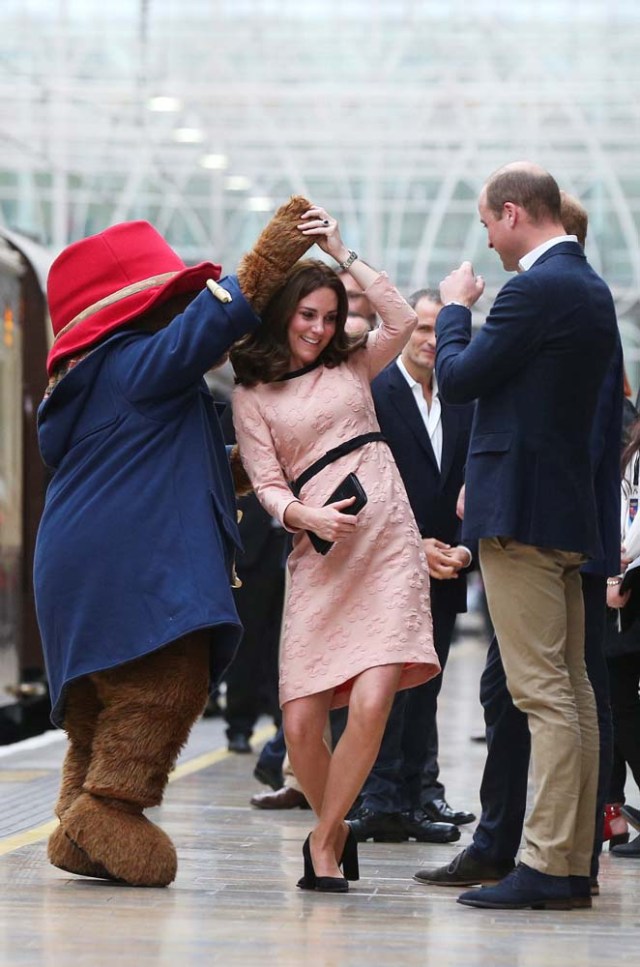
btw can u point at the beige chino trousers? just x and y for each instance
(535, 601)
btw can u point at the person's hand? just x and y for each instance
(441, 564)
(460, 503)
(460, 557)
(324, 228)
(614, 598)
(329, 522)
(462, 285)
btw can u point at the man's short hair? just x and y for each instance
(433, 295)
(533, 189)
(573, 216)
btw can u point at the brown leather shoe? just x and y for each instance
(285, 798)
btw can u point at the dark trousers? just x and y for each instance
(273, 752)
(409, 747)
(624, 676)
(252, 677)
(503, 791)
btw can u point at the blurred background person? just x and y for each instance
(623, 659)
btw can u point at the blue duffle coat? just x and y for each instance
(136, 542)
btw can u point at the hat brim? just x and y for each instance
(95, 327)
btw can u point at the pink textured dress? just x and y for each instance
(366, 602)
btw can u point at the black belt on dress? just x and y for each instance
(334, 454)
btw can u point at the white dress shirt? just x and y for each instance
(432, 419)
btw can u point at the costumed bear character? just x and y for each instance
(135, 549)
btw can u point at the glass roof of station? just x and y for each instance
(203, 115)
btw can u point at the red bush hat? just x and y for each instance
(103, 282)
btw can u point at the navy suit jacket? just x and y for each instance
(432, 492)
(536, 368)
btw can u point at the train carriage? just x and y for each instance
(24, 338)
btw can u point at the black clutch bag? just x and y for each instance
(349, 487)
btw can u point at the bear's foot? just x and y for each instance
(116, 835)
(68, 857)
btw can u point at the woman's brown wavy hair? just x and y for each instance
(263, 356)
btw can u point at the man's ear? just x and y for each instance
(511, 213)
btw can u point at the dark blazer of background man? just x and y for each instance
(431, 459)
(536, 369)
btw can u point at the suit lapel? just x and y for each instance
(402, 398)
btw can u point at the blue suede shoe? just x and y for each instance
(521, 889)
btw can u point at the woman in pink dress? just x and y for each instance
(357, 623)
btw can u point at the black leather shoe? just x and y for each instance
(419, 827)
(269, 777)
(468, 868)
(439, 811)
(380, 827)
(631, 850)
(285, 798)
(238, 742)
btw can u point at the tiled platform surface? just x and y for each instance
(235, 902)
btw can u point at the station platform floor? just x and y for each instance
(235, 902)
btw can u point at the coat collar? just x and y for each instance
(562, 248)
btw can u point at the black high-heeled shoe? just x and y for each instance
(322, 884)
(349, 859)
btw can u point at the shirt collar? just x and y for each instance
(530, 258)
(414, 382)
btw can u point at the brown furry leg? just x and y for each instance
(148, 709)
(81, 712)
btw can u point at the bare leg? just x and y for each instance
(304, 721)
(350, 764)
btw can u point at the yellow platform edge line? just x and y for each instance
(29, 836)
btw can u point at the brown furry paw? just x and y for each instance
(68, 857)
(116, 836)
(265, 268)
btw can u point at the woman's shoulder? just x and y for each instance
(254, 396)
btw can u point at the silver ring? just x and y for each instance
(325, 221)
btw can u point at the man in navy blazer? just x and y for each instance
(503, 791)
(403, 796)
(536, 369)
